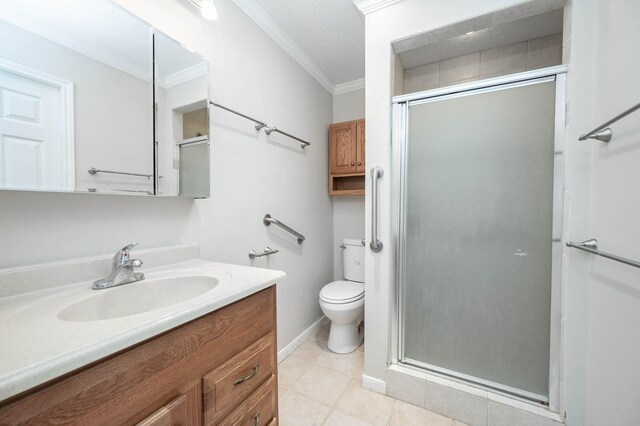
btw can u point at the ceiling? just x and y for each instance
(330, 33)
(326, 37)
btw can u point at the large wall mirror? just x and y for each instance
(84, 109)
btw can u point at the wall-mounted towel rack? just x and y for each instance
(591, 246)
(93, 171)
(268, 220)
(269, 130)
(603, 132)
(266, 252)
(259, 125)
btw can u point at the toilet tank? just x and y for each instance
(353, 260)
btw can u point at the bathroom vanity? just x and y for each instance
(208, 359)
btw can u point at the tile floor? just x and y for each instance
(318, 387)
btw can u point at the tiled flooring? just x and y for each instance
(318, 387)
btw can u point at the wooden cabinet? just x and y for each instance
(219, 369)
(347, 158)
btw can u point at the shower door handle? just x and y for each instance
(376, 174)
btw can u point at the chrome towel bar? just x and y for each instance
(266, 252)
(269, 130)
(259, 125)
(376, 174)
(591, 246)
(268, 220)
(602, 132)
(93, 171)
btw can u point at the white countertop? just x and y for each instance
(37, 346)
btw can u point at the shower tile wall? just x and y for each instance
(529, 55)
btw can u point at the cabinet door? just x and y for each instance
(342, 146)
(360, 154)
(172, 414)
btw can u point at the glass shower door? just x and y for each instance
(476, 235)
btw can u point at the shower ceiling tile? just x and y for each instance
(542, 25)
(454, 30)
(525, 10)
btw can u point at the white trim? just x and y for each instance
(369, 6)
(556, 349)
(376, 385)
(185, 75)
(293, 345)
(349, 86)
(66, 108)
(264, 21)
(511, 78)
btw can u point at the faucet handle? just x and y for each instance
(122, 255)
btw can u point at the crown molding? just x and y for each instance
(182, 76)
(349, 86)
(369, 6)
(264, 21)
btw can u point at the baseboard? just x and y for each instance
(376, 385)
(288, 350)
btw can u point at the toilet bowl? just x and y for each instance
(343, 301)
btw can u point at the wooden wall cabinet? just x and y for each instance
(219, 369)
(347, 158)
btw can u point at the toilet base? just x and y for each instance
(345, 338)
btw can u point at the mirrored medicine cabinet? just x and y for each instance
(95, 100)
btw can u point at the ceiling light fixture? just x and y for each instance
(207, 9)
(470, 32)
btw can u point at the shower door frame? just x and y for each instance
(399, 141)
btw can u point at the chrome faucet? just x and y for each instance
(122, 270)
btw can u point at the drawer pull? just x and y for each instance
(256, 419)
(247, 377)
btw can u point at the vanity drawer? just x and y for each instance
(240, 376)
(259, 409)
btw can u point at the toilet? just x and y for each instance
(343, 301)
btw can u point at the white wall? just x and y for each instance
(348, 106)
(38, 227)
(348, 211)
(252, 175)
(613, 343)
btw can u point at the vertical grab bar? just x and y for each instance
(376, 174)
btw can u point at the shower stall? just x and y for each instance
(477, 211)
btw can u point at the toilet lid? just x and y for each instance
(342, 292)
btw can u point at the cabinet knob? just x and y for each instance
(359, 163)
(352, 163)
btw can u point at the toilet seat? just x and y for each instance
(341, 292)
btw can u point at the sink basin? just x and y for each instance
(138, 297)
